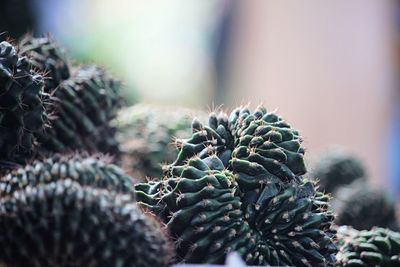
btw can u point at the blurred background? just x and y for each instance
(329, 67)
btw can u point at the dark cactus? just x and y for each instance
(64, 224)
(47, 56)
(22, 109)
(87, 171)
(362, 206)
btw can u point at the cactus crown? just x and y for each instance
(236, 185)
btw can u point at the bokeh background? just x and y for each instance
(329, 67)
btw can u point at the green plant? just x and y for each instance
(362, 206)
(45, 55)
(84, 106)
(22, 109)
(375, 247)
(87, 171)
(145, 133)
(64, 224)
(236, 186)
(337, 167)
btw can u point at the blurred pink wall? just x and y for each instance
(326, 66)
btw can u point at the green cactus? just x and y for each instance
(86, 103)
(45, 54)
(337, 167)
(362, 206)
(22, 109)
(375, 247)
(217, 197)
(145, 133)
(64, 224)
(87, 171)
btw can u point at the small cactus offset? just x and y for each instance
(65, 224)
(47, 56)
(236, 186)
(337, 168)
(362, 206)
(22, 109)
(87, 171)
(368, 248)
(146, 133)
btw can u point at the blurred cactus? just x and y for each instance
(337, 167)
(146, 133)
(362, 206)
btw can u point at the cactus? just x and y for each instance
(87, 171)
(145, 134)
(64, 224)
(362, 207)
(375, 247)
(45, 54)
(236, 186)
(336, 168)
(87, 102)
(22, 109)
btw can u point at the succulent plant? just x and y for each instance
(86, 104)
(362, 206)
(22, 109)
(65, 224)
(337, 167)
(87, 171)
(45, 55)
(145, 132)
(375, 247)
(236, 186)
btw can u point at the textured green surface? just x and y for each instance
(46, 56)
(337, 167)
(22, 111)
(363, 206)
(64, 224)
(375, 247)
(146, 134)
(87, 171)
(83, 107)
(235, 186)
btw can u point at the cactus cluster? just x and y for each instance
(46, 107)
(146, 133)
(368, 248)
(363, 206)
(65, 224)
(236, 185)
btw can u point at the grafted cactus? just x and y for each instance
(236, 186)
